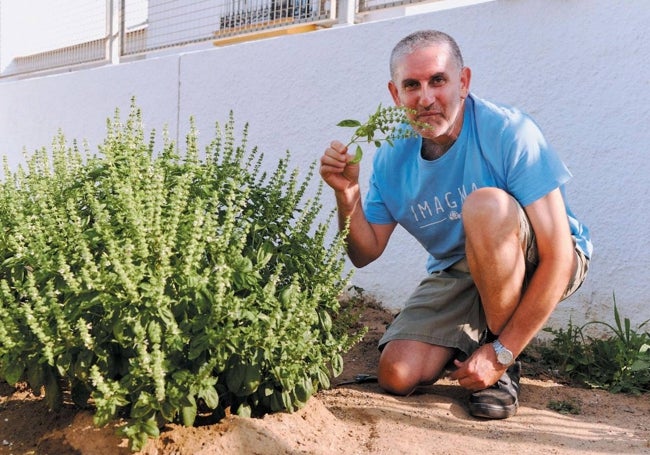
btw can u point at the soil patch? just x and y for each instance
(360, 419)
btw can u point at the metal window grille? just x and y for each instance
(179, 22)
(42, 35)
(38, 35)
(372, 5)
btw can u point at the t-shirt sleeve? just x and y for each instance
(533, 168)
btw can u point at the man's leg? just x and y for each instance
(496, 245)
(495, 253)
(405, 364)
(442, 317)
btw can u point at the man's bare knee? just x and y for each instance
(396, 378)
(406, 364)
(486, 205)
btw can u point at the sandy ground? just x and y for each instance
(359, 419)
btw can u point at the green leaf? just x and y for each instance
(358, 154)
(35, 375)
(640, 365)
(210, 396)
(150, 427)
(198, 345)
(166, 315)
(144, 407)
(325, 320)
(235, 377)
(53, 393)
(337, 364)
(168, 411)
(81, 367)
(304, 389)
(323, 378)
(287, 402)
(244, 410)
(137, 438)
(243, 378)
(13, 372)
(366, 130)
(252, 380)
(349, 123)
(276, 401)
(188, 411)
(264, 254)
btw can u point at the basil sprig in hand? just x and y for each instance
(385, 124)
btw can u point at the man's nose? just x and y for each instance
(427, 96)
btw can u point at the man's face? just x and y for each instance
(429, 82)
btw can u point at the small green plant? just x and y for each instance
(618, 361)
(158, 286)
(565, 406)
(386, 124)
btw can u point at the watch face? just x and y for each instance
(505, 357)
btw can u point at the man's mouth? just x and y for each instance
(428, 114)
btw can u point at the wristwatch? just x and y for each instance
(504, 355)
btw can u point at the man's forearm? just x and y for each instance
(537, 303)
(347, 203)
(363, 246)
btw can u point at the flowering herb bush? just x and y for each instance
(158, 287)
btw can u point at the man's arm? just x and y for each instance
(549, 221)
(365, 241)
(556, 263)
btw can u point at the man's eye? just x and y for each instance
(437, 80)
(410, 85)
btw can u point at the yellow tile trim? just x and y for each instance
(262, 34)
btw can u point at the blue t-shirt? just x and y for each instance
(498, 146)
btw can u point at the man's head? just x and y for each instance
(428, 77)
(420, 39)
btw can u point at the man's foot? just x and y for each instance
(499, 401)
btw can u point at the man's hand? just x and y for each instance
(336, 169)
(365, 241)
(480, 370)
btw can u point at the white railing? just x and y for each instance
(180, 22)
(372, 5)
(41, 37)
(36, 35)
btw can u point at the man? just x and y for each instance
(480, 188)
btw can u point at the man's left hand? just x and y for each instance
(480, 370)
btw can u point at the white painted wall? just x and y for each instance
(580, 67)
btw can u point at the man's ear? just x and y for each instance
(465, 78)
(392, 88)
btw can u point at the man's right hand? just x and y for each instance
(365, 241)
(336, 169)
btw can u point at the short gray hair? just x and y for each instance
(420, 39)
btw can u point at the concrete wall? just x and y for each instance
(580, 67)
